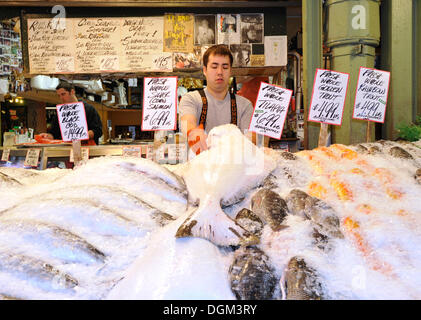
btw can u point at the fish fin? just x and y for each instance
(211, 223)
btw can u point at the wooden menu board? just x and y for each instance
(96, 45)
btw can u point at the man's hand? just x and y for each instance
(196, 139)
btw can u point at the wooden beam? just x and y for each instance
(168, 3)
(182, 73)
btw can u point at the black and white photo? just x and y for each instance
(252, 28)
(204, 29)
(241, 54)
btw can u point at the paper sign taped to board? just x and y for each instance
(31, 159)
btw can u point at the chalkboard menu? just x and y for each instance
(96, 45)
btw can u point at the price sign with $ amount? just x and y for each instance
(72, 120)
(371, 95)
(159, 104)
(270, 110)
(328, 99)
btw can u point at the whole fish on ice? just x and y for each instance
(251, 275)
(54, 241)
(37, 272)
(223, 174)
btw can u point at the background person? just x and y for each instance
(66, 93)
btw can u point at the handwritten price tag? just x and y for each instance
(65, 64)
(72, 120)
(159, 104)
(31, 159)
(270, 110)
(132, 151)
(84, 152)
(328, 100)
(109, 63)
(371, 95)
(5, 155)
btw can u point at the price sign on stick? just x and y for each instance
(72, 120)
(270, 110)
(31, 159)
(159, 104)
(371, 95)
(328, 99)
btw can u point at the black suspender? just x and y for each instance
(205, 108)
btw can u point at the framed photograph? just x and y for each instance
(183, 60)
(204, 29)
(252, 28)
(228, 27)
(241, 54)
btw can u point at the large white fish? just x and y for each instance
(223, 174)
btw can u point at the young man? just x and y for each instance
(66, 93)
(201, 110)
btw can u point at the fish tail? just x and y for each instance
(211, 223)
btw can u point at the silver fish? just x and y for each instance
(251, 275)
(57, 242)
(88, 215)
(229, 169)
(270, 208)
(8, 297)
(301, 281)
(109, 195)
(8, 180)
(37, 272)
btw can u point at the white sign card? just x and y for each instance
(132, 151)
(149, 152)
(270, 110)
(276, 49)
(160, 153)
(31, 159)
(371, 95)
(72, 120)
(84, 153)
(159, 104)
(328, 99)
(5, 155)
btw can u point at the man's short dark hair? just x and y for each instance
(217, 50)
(66, 86)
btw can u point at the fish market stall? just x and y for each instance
(235, 222)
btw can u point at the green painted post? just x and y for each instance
(417, 56)
(397, 57)
(353, 33)
(312, 59)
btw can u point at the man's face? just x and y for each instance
(218, 72)
(66, 96)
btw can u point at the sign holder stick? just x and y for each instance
(77, 152)
(323, 134)
(368, 132)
